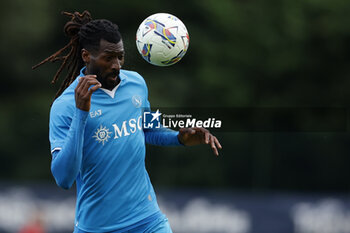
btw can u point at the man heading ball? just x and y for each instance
(96, 134)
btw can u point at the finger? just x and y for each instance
(80, 86)
(84, 79)
(198, 129)
(91, 83)
(90, 76)
(206, 136)
(80, 83)
(204, 132)
(94, 88)
(218, 145)
(193, 130)
(86, 89)
(87, 77)
(187, 130)
(212, 144)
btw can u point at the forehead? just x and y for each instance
(106, 46)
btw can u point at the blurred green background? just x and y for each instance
(282, 54)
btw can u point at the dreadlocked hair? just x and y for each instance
(72, 59)
(84, 33)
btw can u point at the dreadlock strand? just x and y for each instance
(72, 67)
(77, 16)
(72, 72)
(58, 59)
(73, 61)
(59, 71)
(53, 57)
(64, 85)
(74, 64)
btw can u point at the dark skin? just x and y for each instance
(102, 70)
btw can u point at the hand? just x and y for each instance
(196, 136)
(83, 92)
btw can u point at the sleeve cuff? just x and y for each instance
(81, 114)
(178, 140)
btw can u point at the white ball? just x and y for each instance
(162, 39)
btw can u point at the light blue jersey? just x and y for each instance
(104, 152)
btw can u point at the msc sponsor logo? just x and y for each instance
(125, 128)
(102, 134)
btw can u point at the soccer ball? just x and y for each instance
(162, 39)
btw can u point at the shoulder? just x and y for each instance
(133, 76)
(64, 105)
(67, 98)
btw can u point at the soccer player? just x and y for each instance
(96, 133)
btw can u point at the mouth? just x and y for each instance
(113, 76)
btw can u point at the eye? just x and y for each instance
(109, 58)
(120, 57)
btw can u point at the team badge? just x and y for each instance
(137, 101)
(102, 134)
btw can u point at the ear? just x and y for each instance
(85, 55)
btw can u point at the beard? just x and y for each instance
(107, 80)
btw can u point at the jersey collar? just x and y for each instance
(108, 92)
(82, 73)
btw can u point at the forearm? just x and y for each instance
(66, 162)
(162, 137)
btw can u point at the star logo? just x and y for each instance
(156, 115)
(151, 120)
(102, 134)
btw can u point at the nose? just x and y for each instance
(116, 65)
